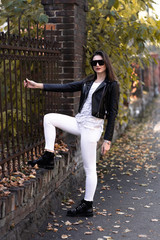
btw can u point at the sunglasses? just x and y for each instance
(94, 63)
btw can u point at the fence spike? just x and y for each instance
(29, 29)
(45, 32)
(19, 27)
(8, 27)
(37, 31)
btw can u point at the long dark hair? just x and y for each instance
(109, 69)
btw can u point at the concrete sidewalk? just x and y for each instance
(127, 201)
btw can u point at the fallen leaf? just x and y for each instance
(88, 233)
(117, 226)
(81, 190)
(130, 208)
(70, 201)
(32, 176)
(146, 206)
(108, 237)
(52, 213)
(142, 236)
(127, 230)
(55, 229)
(68, 223)
(6, 193)
(143, 184)
(50, 227)
(12, 226)
(69, 228)
(56, 224)
(79, 222)
(100, 229)
(149, 190)
(154, 220)
(120, 213)
(109, 214)
(64, 236)
(136, 198)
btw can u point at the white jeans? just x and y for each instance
(89, 139)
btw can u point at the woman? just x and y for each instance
(99, 100)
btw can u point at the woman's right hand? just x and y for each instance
(31, 84)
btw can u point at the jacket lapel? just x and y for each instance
(103, 84)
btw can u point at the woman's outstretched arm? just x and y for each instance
(31, 84)
(67, 87)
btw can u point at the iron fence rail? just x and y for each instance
(22, 110)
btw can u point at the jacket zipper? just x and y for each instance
(101, 100)
(85, 96)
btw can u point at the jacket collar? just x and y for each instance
(104, 83)
(101, 85)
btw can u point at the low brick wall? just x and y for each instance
(24, 210)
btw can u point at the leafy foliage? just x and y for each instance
(31, 10)
(115, 26)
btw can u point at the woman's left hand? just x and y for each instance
(105, 147)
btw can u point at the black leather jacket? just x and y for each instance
(104, 100)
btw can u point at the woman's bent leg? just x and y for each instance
(51, 121)
(63, 122)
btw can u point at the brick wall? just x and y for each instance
(67, 18)
(152, 75)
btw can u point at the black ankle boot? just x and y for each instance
(84, 209)
(45, 161)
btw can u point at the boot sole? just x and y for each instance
(30, 163)
(80, 215)
(47, 167)
(41, 166)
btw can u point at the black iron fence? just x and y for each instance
(22, 110)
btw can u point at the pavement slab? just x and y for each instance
(127, 200)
